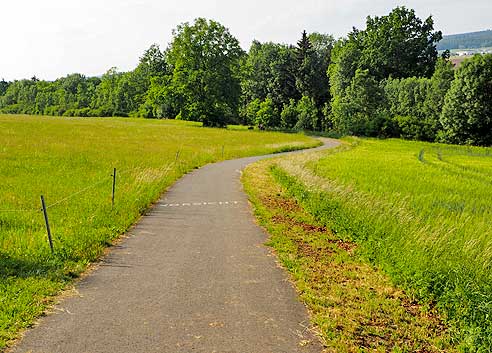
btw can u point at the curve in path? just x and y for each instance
(192, 276)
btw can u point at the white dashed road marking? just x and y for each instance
(190, 204)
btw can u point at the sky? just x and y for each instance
(52, 38)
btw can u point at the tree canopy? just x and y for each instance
(269, 72)
(385, 80)
(205, 63)
(399, 45)
(467, 111)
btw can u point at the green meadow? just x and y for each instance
(70, 162)
(421, 212)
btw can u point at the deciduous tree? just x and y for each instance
(205, 61)
(467, 112)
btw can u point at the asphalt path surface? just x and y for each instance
(192, 276)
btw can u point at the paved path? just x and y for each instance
(193, 276)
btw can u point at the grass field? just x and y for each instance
(354, 306)
(70, 162)
(421, 212)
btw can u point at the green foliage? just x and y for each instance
(313, 58)
(251, 111)
(205, 76)
(153, 62)
(344, 63)
(425, 220)
(71, 93)
(204, 58)
(360, 111)
(301, 115)
(304, 47)
(107, 99)
(183, 84)
(267, 115)
(416, 103)
(395, 52)
(322, 45)
(161, 100)
(326, 121)
(305, 65)
(269, 72)
(440, 84)
(467, 112)
(20, 96)
(256, 73)
(398, 45)
(60, 157)
(4, 85)
(307, 114)
(289, 115)
(407, 100)
(284, 73)
(136, 84)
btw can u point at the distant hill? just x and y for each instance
(470, 40)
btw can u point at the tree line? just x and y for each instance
(470, 40)
(387, 80)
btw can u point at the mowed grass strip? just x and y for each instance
(422, 212)
(354, 306)
(58, 158)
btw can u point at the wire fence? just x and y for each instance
(167, 169)
(45, 207)
(59, 202)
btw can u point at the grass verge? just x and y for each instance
(353, 304)
(419, 211)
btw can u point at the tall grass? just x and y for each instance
(59, 157)
(420, 211)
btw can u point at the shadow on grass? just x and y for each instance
(26, 267)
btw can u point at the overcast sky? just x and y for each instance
(51, 38)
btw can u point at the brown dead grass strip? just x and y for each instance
(353, 305)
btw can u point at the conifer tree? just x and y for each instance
(304, 47)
